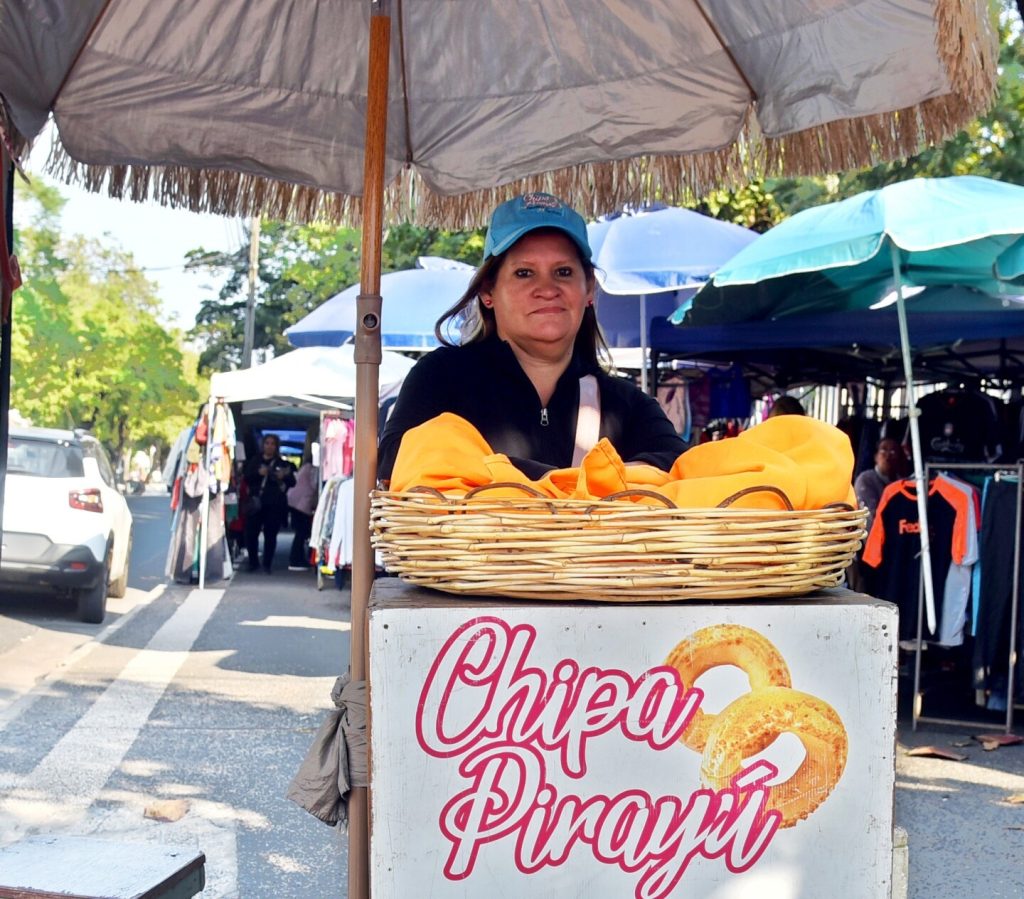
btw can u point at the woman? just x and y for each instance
(529, 333)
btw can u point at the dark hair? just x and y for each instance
(473, 321)
(786, 405)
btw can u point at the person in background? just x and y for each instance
(786, 405)
(302, 501)
(870, 483)
(529, 339)
(268, 477)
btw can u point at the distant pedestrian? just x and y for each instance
(870, 484)
(268, 478)
(302, 501)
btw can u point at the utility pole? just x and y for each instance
(250, 305)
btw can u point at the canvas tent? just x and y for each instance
(948, 343)
(308, 379)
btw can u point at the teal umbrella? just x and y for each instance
(859, 252)
(1010, 264)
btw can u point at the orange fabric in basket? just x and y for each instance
(810, 461)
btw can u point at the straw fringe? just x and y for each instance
(965, 40)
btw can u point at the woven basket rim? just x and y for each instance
(619, 551)
(422, 502)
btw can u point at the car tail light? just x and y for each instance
(89, 499)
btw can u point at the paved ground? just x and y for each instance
(966, 840)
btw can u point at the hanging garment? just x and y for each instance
(958, 426)
(730, 393)
(894, 545)
(183, 552)
(999, 538)
(956, 593)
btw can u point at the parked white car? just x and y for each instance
(66, 527)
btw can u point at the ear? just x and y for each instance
(487, 298)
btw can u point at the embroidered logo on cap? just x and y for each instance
(541, 201)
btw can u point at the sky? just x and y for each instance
(157, 238)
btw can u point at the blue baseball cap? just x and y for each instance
(521, 215)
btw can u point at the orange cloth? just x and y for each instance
(810, 461)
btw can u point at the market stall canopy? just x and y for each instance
(957, 334)
(241, 106)
(311, 379)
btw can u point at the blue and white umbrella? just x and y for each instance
(414, 300)
(655, 261)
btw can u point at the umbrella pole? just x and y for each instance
(643, 342)
(915, 442)
(367, 355)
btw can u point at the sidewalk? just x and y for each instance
(966, 840)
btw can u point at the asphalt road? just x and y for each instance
(193, 705)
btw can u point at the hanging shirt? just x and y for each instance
(894, 545)
(958, 426)
(956, 595)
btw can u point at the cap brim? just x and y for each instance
(511, 238)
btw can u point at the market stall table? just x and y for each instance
(533, 748)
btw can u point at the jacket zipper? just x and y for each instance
(544, 417)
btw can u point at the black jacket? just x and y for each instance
(271, 491)
(483, 383)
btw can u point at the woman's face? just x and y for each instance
(540, 294)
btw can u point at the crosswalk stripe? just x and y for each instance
(69, 779)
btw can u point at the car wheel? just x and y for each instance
(92, 602)
(119, 587)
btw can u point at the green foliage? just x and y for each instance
(87, 347)
(751, 206)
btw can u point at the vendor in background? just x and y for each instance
(302, 501)
(529, 333)
(786, 405)
(268, 478)
(870, 484)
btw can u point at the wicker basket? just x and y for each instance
(538, 548)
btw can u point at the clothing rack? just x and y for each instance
(1016, 471)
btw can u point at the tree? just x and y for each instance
(88, 349)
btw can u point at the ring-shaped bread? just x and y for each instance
(751, 723)
(725, 644)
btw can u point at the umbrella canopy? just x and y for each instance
(415, 299)
(1010, 264)
(851, 254)
(650, 262)
(219, 107)
(663, 250)
(838, 256)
